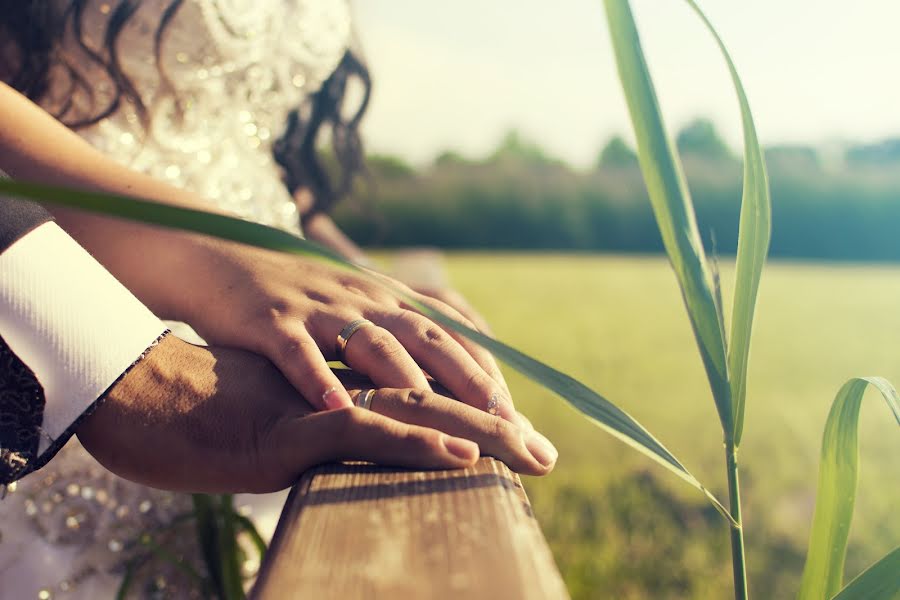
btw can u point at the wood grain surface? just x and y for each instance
(359, 531)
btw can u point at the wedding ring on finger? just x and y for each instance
(493, 405)
(344, 336)
(364, 399)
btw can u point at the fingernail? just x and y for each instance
(460, 448)
(335, 398)
(541, 449)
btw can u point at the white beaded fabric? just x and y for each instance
(233, 70)
(230, 71)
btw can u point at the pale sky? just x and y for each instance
(457, 74)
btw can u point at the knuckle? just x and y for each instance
(415, 398)
(431, 334)
(289, 347)
(382, 343)
(347, 422)
(476, 384)
(274, 309)
(364, 289)
(502, 430)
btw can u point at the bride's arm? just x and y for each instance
(285, 308)
(36, 147)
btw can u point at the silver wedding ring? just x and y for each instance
(364, 399)
(344, 336)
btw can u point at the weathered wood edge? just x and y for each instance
(359, 531)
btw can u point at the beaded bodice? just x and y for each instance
(228, 73)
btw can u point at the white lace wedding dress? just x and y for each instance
(233, 69)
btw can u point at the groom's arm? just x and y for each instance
(68, 331)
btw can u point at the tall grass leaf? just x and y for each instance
(881, 581)
(672, 205)
(600, 411)
(753, 243)
(824, 569)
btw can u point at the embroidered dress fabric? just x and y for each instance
(229, 73)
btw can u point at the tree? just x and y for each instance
(516, 148)
(450, 158)
(616, 154)
(389, 166)
(700, 138)
(884, 153)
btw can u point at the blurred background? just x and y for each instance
(498, 132)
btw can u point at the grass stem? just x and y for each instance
(738, 563)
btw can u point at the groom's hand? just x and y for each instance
(199, 419)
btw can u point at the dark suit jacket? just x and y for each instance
(21, 395)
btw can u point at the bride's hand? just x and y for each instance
(292, 310)
(191, 418)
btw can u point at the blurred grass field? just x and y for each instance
(621, 527)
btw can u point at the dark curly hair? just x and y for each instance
(31, 29)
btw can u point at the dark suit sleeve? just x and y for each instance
(18, 217)
(21, 395)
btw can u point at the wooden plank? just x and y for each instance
(359, 531)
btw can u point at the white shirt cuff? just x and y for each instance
(66, 317)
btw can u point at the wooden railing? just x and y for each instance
(359, 531)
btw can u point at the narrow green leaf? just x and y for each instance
(672, 205)
(753, 244)
(595, 407)
(601, 411)
(258, 542)
(208, 540)
(166, 215)
(824, 569)
(168, 556)
(127, 580)
(229, 551)
(881, 581)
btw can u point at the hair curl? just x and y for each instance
(32, 29)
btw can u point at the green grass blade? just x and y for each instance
(258, 542)
(753, 244)
(824, 569)
(220, 226)
(228, 550)
(672, 205)
(598, 409)
(208, 540)
(595, 407)
(881, 581)
(127, 580)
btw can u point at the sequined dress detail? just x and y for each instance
(229, 73)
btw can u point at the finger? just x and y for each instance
(375, 352)
(524, 450)
(298, 357)
(357, 434)
(447, 361)
(481, 355)
(455, 300)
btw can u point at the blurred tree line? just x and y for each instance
(839, 206)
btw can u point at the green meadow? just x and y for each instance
(621, 527)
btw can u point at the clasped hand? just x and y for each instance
(201, 419)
